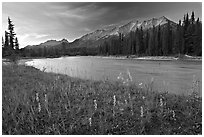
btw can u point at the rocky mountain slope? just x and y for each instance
(126, 28)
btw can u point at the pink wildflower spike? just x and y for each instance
(141, 112)
(90, 121)
(95, 104)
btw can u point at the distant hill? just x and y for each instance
(49, 44)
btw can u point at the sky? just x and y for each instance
(37, 22)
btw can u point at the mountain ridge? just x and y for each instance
(126, 28)
(110, 30)
(49, 43)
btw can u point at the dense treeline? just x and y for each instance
(169, 39)
(58, 51)
(185, 38)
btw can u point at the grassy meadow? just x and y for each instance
(36, 102)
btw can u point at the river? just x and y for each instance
(172, 76)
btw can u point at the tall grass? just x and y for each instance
(35, 102)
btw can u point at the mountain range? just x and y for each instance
(99, 35)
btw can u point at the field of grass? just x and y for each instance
(35, 102)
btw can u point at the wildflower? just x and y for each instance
(161, 102)
(129, 96)
(143, 97)
(114, 100)
(130, 77)
(141, 112)
(39, 107)
(114, 104)
(140, 84)
(57, 78)
(120, 75)
(126, 82)
(121, 109)
(174, 114)
(95, 104)
(125, 101)
(46, 99)
(46, 105)
(90, 121)
(37, 97)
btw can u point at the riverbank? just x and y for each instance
(35, 102)
(156, 58)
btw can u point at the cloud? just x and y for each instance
(33, 35)
(81, 10)
(31, 39)
(87, 29)
(68, 14)
(39, 35)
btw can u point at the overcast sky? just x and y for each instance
(38, 22)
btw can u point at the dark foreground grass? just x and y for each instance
(35, 102)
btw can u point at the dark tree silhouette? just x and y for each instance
(16, 44)
(11, 33)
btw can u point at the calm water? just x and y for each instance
(172, 76)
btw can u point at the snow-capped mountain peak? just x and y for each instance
(115, 29)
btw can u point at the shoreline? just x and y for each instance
(131, 57)
(154, 58)
(147, 58)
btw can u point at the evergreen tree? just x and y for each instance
(137, 41)
(150, 44)
(3, 49)
(106, 48)
(153, 42)
(6, 44)
(197, 21)
(2, 42)
(147, 43)
(11, 33)
(187, 20)
(141, 38)
(169, 38)
(184, 20)
(120, 43)
(159, 41)
(180, 43)
(45, 52)
(16, 44)
(192, 18)
(132, 43)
